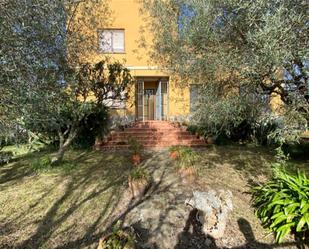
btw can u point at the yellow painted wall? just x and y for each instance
(126, 14)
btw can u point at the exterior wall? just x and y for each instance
(126, 14)
(179, 100)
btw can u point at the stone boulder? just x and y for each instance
(213, 210)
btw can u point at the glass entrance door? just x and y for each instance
(149, 104)
(152, 99)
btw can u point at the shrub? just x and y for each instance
(5, 157)
(175, 148)
(192, 129)
(135, 146)
(263, 130)
(42, 163)
(282, 204)
(186, 156)
(92, 126)
(138, 174)
(119, 239)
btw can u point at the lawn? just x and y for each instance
(75, 204)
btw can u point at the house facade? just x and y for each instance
(155, 94)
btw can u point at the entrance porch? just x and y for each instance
(152, 98)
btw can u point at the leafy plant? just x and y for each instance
(282, 204)
(192, 129)
(5, 157)
(42, 163)
(186, 157)
(175, 148)
(138, 173)
(119, 239)
(135, 146)
(91, 127)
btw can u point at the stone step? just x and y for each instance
(155, 138)
(147, 147)
(160, 142)
(150, 136)
(148, 132)
(165, 127)
(151, 129)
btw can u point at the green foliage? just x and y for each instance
(119, 239)
(187, 157)
(135, 146)
(262, 131)
(45, 85)
(5, 157)
(297, 150)
(282, 204)
(138, 173)
(219, 113)
(241, 53)
(91, 127)
(41, 164)
(192, 129)
(234, 119)
(175, 148)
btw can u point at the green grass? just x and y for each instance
(22, 149)
(69, 203)
(70, 206)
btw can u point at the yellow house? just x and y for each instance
(156, 94)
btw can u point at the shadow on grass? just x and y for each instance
(97, 182)
(251, 162)
(92, 236)
(97, 178)
(193, 237)
(20, 166)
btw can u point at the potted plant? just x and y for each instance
(174, 151)
(136, 148)
(138, 182)
(186, 163)
(118, 239)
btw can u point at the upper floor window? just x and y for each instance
(111, 40)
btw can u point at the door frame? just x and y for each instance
(139, 98)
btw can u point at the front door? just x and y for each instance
(149, 104)
(152, 99)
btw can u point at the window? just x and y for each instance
(194, 95)
(116, 102)
(111, 41)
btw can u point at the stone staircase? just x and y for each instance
(152, 135)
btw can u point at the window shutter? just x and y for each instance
(118, 41)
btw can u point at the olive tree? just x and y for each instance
(47, 86)
(256, 49)
(62, 114)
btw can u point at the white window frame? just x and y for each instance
(112, 49)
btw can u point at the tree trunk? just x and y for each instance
(63, 146)
(56, 159)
